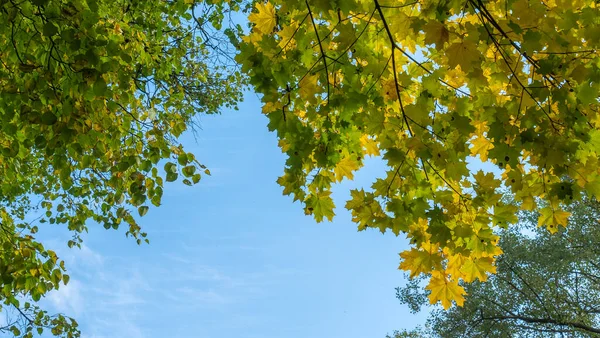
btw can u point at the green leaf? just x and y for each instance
(100, 88)
(48, 118)
(49, 29)
(171, 176)
(170, 167)
(189, 171)
(196, 178)
(143, 210)
(321, 206)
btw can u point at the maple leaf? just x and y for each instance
(264, 19)
(345, 168)
(445, 291)
(287, 41)
(455, 77)
(528, 203)
(320, 205)
(486, 181)
(308, 88)
(419, 261)
(369, 145)
(253, 38)
(455, 263)
(463, 53)
(477, 268)
(436, 33)
(481, 146)
(357, 199)
(505, 214)
(400, 24)
(483, 243)
(418, 231)
(388, 88)
(290, 184)
(593, 186)
(552, 218)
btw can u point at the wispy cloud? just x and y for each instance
(100, 295)
(191, 297)
(118, 295)
(68, 298)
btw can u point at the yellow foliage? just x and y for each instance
(264, 19)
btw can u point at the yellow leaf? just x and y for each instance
(593, 186)
(270, 107)
(486, 181)
(345, 168)
(400, 24)
(252, 38)
(528, 203)
(455, 77)
(265, 19)
(481, 146)
(480, 127)
(455, 263)
(389, 90)
(287, 41)
(308, 88)
(419, 261)
(476, 268)
(369, 145)
(284, 145)
(418, 231)
(552, 218)
(445, 290)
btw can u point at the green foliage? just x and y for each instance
(94, 95)
(545, 285)
(427, 85)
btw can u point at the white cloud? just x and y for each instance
(121, 295)
(103, 294)
(89, 256)
(76, 259)
(68, 299)
(120, 289)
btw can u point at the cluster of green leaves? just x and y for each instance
(428, 85)
(29, 271)
(555, 279)
(93, 97)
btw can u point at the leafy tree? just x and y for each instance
(428, 85)
(546, 285)
(93, 97)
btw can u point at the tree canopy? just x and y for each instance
(93, 97)
(546, 285)
(429, 85)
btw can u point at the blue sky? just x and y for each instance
(233, 257)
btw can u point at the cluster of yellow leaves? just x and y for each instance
(445, 290)
(264, 19)
(429, 87)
